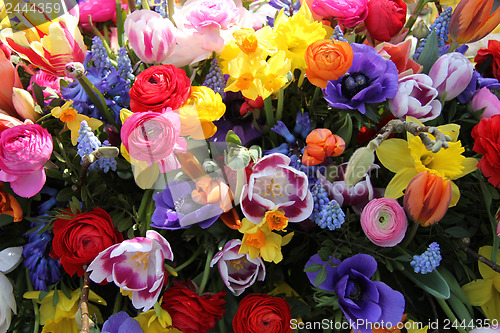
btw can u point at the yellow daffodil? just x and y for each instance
(73, 119)
(407, 158)
(413, 327)
(485, 292)
(243, 76)
(274, 76)
(260, 240)
(199, 111)
(61, 318)
(151, 322)
(294, 34)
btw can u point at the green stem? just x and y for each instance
(119, 22)
(146, 198)
(97, 98)
(240, 181)
(315, 98)
(492, 219)
(410, 234)
(35, 305)
(281, 101)
(190, 260)
(47, 116)
(118, 303)
(145, 4)
(450, 314)
(268, 108)
(206, 271)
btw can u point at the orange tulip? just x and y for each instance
(471, 20)
(9, 205)
(327, 60)
(210, 190)
(427, 198)
(321, 143)
(10, 80)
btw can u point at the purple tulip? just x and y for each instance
(416, 98)
(361, 299)
(238, 271)
(451, 74)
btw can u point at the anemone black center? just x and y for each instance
(353, 83)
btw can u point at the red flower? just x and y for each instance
(385, 18)
(261, 313)
(487, 136)
(79, 240)
(492, 53)
(190, 312)
(159, 87)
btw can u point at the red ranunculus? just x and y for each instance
(487, 136)
(484, 54)
(159, 87)
(385, 18)
(190, 312)
(77, 241)
(261, 313)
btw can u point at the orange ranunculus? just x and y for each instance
(321, 143)
(427, 198)
(9, 205)
(471, 20)
(327, 60)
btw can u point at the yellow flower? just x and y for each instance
(260, 240)
(152, 323)
(413, 327)
(243, 76)
(73, 119)
(199, 111)
(407, 158)
(485, 292)
(294, 34)
(274, 75)
(61, 318)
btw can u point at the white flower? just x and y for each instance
(9, 259)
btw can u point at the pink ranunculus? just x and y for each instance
(484, 98)
(153, 137)
(451, 74)
(99, 11)
(135, 265)
(384, 222)
(151, 36)
(238, 271)
(274, 184)
(348, 12)
(24, 149)
(416, 98)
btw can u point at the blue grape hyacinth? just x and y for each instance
(215, 80)
(440, 25)
(326, 213)
(427, 261)
(87, 143)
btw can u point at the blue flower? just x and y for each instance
(371, 79)
(477, 82)
(427, 261)
(121, 323)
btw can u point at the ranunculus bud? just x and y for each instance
(427, 198)
(321, 143)
(385, 18)
(384, 222)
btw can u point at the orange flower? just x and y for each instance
(257, 239)
(276, 220)
(400, 55)
(427, 198)
(9, 205)
(210, 190)
(327, 60)
(471, 20)
(321, 143)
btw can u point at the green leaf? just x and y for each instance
(389, 265)
(320, 278)
(55, 299)
(232, 138)
(65, 194)
(74, 205)
(430, 53)
(458, 232)
(431, 282)
(345, 131)
(455, 287)
(38, 92)
(313, 268)
(42, 295)
(459, 308)
(65, 290)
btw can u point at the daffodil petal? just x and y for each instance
(455, 194)
(399, 183)
(395, 155)
(492, 307)
(146, 177)
(478, 291)
(485, 270)
(450, 129)
(469, 164)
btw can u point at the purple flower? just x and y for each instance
(477, 82)
(359, 297)
(238, 271)
(371, 79)
(121, 323)
(451, 74)
(175, 208)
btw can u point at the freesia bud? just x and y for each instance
(427, 198)
(24, 104)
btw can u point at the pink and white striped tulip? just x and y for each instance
(274, 184)
(151, 36)
(135, 265)
(384, 222)
(451, 74)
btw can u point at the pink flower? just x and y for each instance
(384, 222)
(451, 74)
(484, 98)
(238, 271)
(135, 265)
(151, 36)
(99, 10)
(153, 137)
(348, 12)
(24, 149)
(273, 184)
(51, 83)
(416, 97)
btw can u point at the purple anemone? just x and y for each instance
(361, 299)
(121, 323)
(371, 79)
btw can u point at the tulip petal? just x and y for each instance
(395, 155)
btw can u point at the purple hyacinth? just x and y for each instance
(175, 208)
(360, 298)
(477, 82)
(371, 79)
(215, 80)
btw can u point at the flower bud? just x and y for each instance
(24, 104)
(237, 157)
(359, 165)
